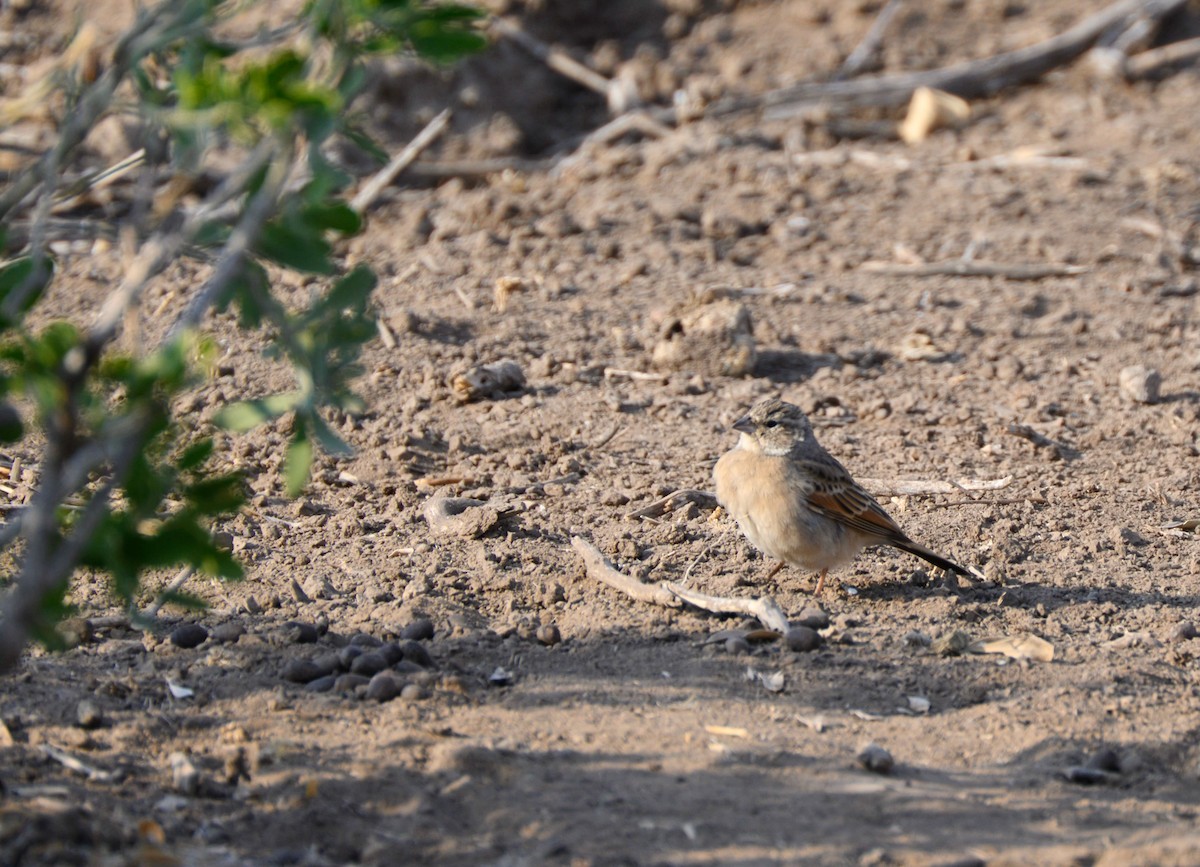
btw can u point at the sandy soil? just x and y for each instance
(636, 739)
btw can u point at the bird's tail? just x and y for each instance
(925, 554)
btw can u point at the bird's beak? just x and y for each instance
(744, 425)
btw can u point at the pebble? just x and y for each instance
(88, 715)
(802, 639)
(302, 670)
(1086, 776)
(1140, 384)
(1104, 759)
(321, 684)
(301, 633)
(188, 635)
(1184, 631)
(298, 592)
(392, 652)
(735, 645)
(413, 692)
(363, 639)
(548, 635)
(348, 654)
(414, 652)
(370, 663)
(952, 644)
(184, 775)
(420, 629)
(876, 759)
(76, 631)
(348, 682)
(813, 618)
(916, 638)
(228, 632)
(383, 686)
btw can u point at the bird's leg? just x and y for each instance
(820, 583)
(775, 570)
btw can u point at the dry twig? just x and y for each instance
(673, 501)
(910, 487)
(598, 567)
(974, 268)
(971, 78)
(371, 190)
(765, 610)
(858, 59)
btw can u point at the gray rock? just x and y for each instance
(189, 635)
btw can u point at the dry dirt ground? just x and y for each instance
(633, 741)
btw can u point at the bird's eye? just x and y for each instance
(771, 423)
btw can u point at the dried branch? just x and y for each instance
(973, 78)
(765, 610)
(599, 568)
(974, 268)
(371, 190)
(865, 52)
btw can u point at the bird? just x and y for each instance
(796, 503)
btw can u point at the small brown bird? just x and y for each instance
(795, 502)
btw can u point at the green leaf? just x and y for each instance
(195, 455)
(28, 275)
(307, 252)
(247, 414)
(297, 463)
(331, 443)
(11, 428)
(353, 290)
(334, 215)
(217, 495)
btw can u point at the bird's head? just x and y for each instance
(774, 427)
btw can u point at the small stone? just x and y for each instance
(1140, 384)
(76, 631)
(414, 652)
(876, 759)
(1085, 776)
(370, 663)
(223, 541)
(302, 671)
(802, 639)
(1104, 759)
(1184, 631)
(917, 639)
(392, 652)
(184, 774)
(548, 634)
(301, 633)
(298, 592)
(813, 618)
(228, 632)
(952, 644)
(363, 639)
(88, 715)
(736, 645)
(420, 629)
(1128, 536)
(349, 682)
(383, 686)
(413, 692)
(189, 635)
(321, 684)
(348, 654)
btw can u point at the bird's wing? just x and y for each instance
(837, 496)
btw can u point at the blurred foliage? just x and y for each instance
(104, 420)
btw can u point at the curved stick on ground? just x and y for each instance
(602, 570)
(765, 610)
